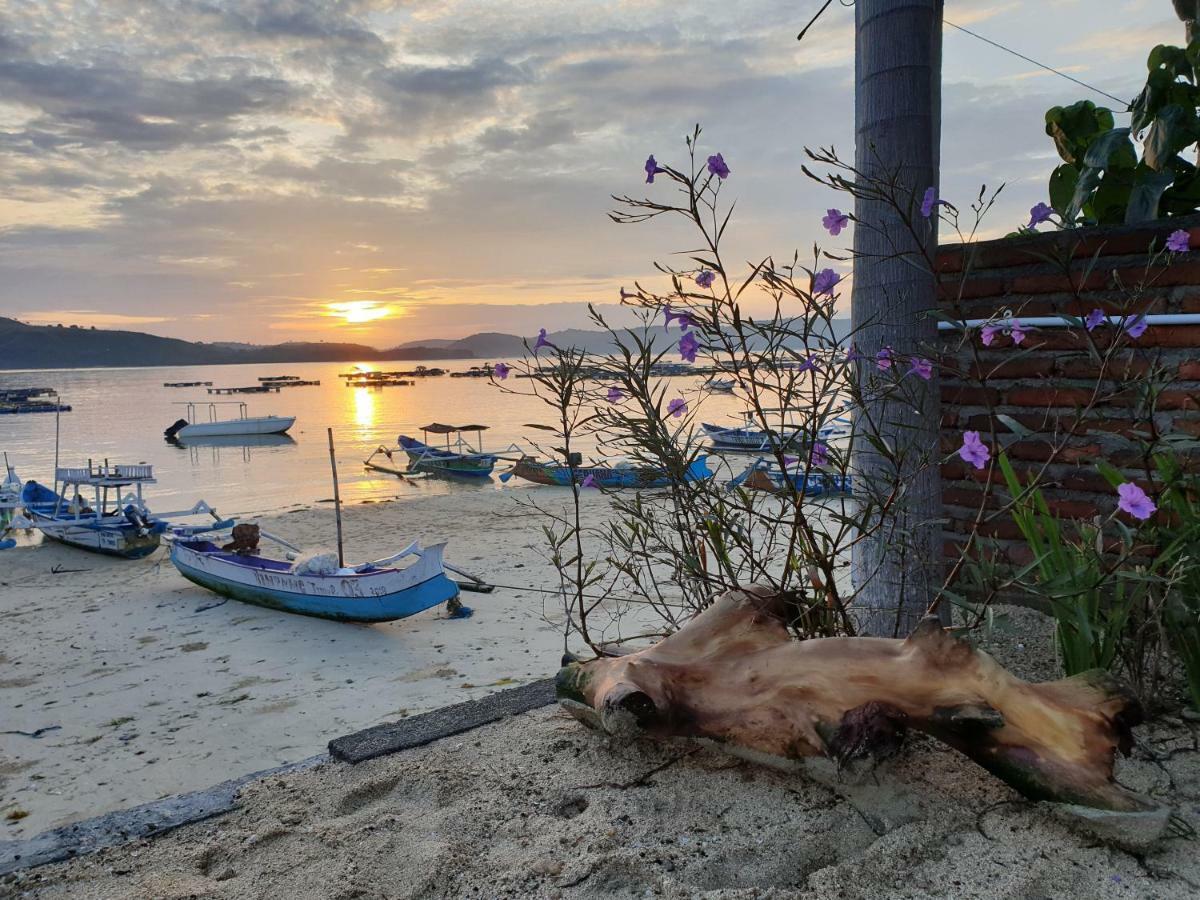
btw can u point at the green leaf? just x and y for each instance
(1112, 196)
(1111, 149)
(1084, 188)
(1173, 129)
(1074, 127)
(1144, 196)
(1062, 187)
(1172, 60)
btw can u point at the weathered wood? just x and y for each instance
(736, 676)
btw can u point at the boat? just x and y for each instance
(15, 401)
(10, 492)
(720, 385)
(749, 438)
(622, 475)
(188, 427)
(108, 522)
(458, 458)
(183, 384)
(313, 584)
(766, 475)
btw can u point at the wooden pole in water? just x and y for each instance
(337, 499)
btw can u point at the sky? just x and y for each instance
(384, 172)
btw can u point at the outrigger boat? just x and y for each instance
(459, 458)
(108, 523)
(10, 492)
(749, 438)
(315, 585)
(766, 475)
(189, 427)
(720, 385)
(622, 475)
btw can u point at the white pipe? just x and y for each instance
(1059, 321)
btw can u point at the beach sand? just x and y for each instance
(154, 686)
(537, 806)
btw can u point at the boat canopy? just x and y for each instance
(438, 428)
(106, 475)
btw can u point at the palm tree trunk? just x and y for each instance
(898, 60)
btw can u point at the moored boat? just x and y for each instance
(622, 475)
(10, 492)
(750, 438)
(314, 584)
(766, 475)
(188, 427)
(457, 458)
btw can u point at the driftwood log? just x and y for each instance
(735, 676)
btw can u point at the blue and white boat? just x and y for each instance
(109, 521)
(458, 458)
(402, 585)
(10, 492)
(749, 438)
(766, 475)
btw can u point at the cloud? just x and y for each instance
(86, 317)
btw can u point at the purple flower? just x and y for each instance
(988, 334)
(820, 454)
(615, 395)
(1134, 501)
(1038, 214)
(883, 359)
(705, 278)
(677, 407)
(929, 202)
(808, 364)
(684, 319)
(1135, 326)
(501, 370)
(825, 281)
(541, 341)
(1094, 319)
(1018, 333)
(688, 345)
(652, 169)
(1179, 241)
(852, 354)
(834, 221)
(973, 450)
(922, 367)
(716, 165)
(589, 481)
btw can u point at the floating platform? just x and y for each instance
(10, 409)
(252, 389)
(187, 384)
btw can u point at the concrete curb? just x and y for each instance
(170, 813)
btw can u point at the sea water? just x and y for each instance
(120, 415)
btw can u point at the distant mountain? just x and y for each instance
(56, 346)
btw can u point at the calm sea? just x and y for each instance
(120, 414)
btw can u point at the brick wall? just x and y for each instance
(1041, 383)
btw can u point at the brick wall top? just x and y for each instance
(1108, 240)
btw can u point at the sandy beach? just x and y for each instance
(538, 806)
(148, 685)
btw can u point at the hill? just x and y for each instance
(25, 346)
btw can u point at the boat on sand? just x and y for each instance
(622, 475)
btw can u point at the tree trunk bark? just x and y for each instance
(898, 60)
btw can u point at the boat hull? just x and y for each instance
(546, 473)
(383, 595)
(422, 457)
(125, 541)
(253, 425)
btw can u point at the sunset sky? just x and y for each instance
(272, 170)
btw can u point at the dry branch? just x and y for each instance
(734, 675)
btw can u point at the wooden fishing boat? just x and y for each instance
(766, 475)
(457, 458)
(108, 523)
(622, 475)
(720, 385)
(189, 427)
(10, 492)
(749, 438)
(379, 591)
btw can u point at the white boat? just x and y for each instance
(244, 424)
(721, 385)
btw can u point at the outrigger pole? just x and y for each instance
(337, 500)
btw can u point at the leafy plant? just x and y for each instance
(1090, 602)
(1102, 180)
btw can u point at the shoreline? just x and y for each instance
(150, 685)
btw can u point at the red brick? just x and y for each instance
(1187, 400)
(1086, 480)
(958, 395)
(1049, 396)
(1073, 509)
(970, 289)
(1176, 273)
(1170, 336)
(1188, 426)
(1060, 283)
(1017, 367)
(1037, 451)
(1190, 370)
(962, 496)
(1123, 366)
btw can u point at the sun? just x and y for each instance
(356, 312)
